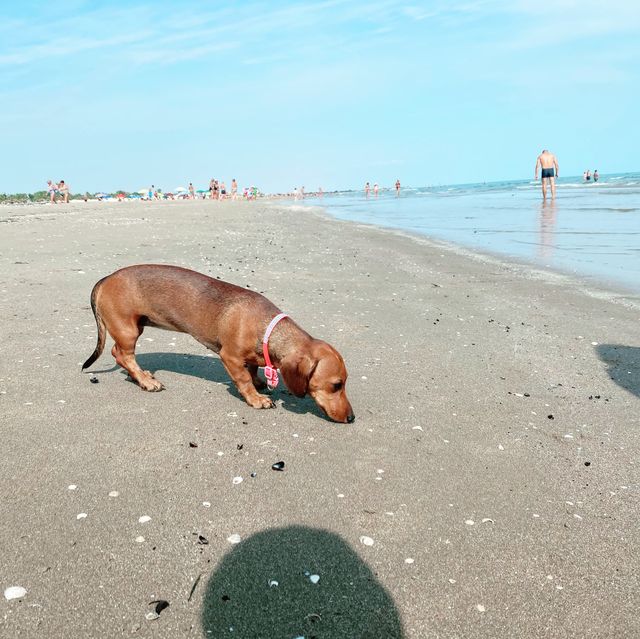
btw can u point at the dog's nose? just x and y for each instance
(351, 418)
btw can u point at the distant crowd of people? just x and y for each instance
(376, 189)
(217, 191)
(587, 177)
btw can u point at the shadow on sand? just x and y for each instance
(624, 365)
(212, 370)
(347, 601)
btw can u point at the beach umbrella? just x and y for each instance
(179, 189)
(143, 191)
(202, 191)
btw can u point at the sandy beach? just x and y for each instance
(488, 487)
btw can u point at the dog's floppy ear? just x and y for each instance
(296, 372)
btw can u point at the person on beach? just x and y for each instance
(234, 189)
(192, 192)
(548, 164)
(397, 188)
(367, 188)
(595, 175)
(223, 190)
(52, 187)
(63, 189)
(320, 193)
(151, 190)
(587, 176)
(375, 190)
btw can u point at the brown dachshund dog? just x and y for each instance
(225, 318)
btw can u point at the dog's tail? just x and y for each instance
(101, 328)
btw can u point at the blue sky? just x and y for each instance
(117, 94)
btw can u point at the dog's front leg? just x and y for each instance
(243, 381)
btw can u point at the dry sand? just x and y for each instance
(492, 462)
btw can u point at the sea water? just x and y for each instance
(591, 230)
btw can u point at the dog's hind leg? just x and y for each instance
(125, 338)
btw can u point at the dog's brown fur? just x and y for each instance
(226, 319)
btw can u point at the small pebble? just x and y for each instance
(273, 583)
(71, 487)
(144, 519)
(14, 592)
(314, 579)
(409, 560)
(278, 466)
(237, 480)
(114, 493)
(140, 539)
(367, 541)
(94, 380)
(206, 504)
(469, 522)
(480, 608)
(81, 516)
(234, 539)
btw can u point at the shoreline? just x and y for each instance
(491, 470)
(598, 289)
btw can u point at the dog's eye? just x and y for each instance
(337, 387)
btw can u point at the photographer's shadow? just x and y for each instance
(211, 369)
(624, 365)
(297, 582)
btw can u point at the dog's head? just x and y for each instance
(320, 372)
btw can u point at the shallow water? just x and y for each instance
(591, 230)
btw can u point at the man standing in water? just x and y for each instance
(549, 164)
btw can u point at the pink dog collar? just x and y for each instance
(269, 371)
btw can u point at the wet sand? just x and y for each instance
(488, 488)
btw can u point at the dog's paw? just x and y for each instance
(151, 384)
(262, 401)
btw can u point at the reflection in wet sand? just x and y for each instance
(547, 221)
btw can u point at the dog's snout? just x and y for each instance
(351, 418)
